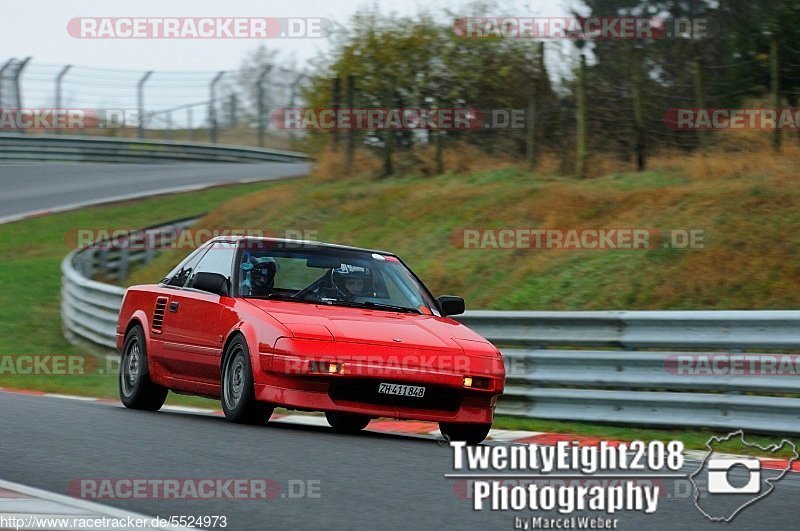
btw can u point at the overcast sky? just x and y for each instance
(38, 28)
(107, 71)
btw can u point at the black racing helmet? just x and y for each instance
(262, 275)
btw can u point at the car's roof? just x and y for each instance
(238, 238)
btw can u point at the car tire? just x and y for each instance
(237, 392)
(346, 423)
(468, 433)
(136, 390)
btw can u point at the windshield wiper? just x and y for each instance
(281, 297)
(375, 306)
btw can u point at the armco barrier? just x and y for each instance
(590, 366)
(89, 308)
(17, 148)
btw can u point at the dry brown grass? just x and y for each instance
(330, 165)
(724, 164)
(420, 161)
(748, 259)
(731, 154)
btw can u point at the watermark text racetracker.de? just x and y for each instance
(55, 365)
(732, 364)
(51, 118)
(199, 27)
(397, 119)
(719, 119)
(611, 238)
(122, 488)
(46, 119)
(592, 28)
(629, 462)
(109, 238)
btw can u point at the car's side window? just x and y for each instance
(178, 276)
(218, 259)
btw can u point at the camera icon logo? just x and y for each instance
(720, 470)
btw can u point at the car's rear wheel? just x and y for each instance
(136, 390)
(346, 423)
(468, 433)
(237, 390)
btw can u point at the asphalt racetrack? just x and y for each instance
(368, 480)
(39, 188)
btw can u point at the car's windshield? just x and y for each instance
(329, 275)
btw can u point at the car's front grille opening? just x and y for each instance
(366, 391)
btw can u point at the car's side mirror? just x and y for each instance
(211, 282)
(450, 305)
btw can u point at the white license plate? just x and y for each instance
(401, 390)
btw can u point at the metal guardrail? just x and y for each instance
(610, 380)
(16, 148)
(89, 309)
(588, 366)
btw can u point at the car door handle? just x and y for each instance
(173, 306)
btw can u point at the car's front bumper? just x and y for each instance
(297, 376)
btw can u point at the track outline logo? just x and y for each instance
(734, 461)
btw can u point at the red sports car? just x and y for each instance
(262, 322)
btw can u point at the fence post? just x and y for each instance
(59, 84)
(638, 116)
(140, 100)
(212, 107)
(293, 97)
(189, 123)
(123, 261)
(774, 85)
(261, 104)
(580, 119)
(170, 132)
(350, 139)
(17, 86)
(439, 151)
(388, 169)
(232, 111)
(699, 99)
(336, 94)
(438, 138)
(533, 107)
(2, 72)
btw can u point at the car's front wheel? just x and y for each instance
(136, 390)
(468, 433)
(238, 393)
(346, 423)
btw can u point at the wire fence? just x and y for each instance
(217, 107)
(622, 100)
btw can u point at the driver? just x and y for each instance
(262, 276)
(350, 283)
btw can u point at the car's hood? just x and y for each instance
(317, 321)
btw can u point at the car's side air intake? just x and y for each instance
(158, 314)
